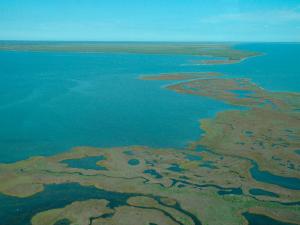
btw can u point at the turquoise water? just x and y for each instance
(89, 163)
(50, 102)
(276, 70)
(175, 168)
(133, 162)
(242, 93)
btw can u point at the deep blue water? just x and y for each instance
(267, 177)
(258, 192)
(153, 173)
(255, 219)
(15, 211)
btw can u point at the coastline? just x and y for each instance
(209, 171)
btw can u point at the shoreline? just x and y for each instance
(186, 177)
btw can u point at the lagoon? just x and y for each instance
(52, 101)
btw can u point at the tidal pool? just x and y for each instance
(86, 163)
(256, 191)
(134, 162)
(153, 173)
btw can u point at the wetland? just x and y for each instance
(159, 140)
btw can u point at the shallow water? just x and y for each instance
(242, 93)
(89, 163)
(50, 102)
(133, 162)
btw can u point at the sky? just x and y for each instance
(151, 20)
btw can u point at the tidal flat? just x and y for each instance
(243, 168)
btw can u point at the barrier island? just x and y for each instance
(227, 52)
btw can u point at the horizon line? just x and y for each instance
(146, 41)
